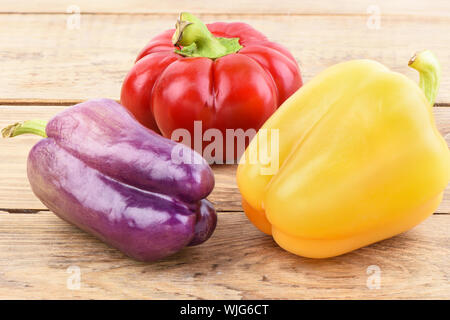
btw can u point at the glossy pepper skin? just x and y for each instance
(100, 170)
(360, 160)
(166, 90)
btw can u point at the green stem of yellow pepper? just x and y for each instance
(430, 73)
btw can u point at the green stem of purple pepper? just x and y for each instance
(36, 127)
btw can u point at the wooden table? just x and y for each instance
(48, 62)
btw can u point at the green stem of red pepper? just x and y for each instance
(196, 40)
(429, 71)
(30, 126)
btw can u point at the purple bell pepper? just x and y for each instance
(102, 171)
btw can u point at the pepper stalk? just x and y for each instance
(426, 63)
(197, 41)
(36, 127)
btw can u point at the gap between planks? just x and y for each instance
(41, 211)
(70, 102)
(237, 14)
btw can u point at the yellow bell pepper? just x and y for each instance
(358, 155)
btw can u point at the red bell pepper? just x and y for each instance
(226, 75)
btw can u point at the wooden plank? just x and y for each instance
(15, 192)
(238, 262)
(43, 59)
(291, 7)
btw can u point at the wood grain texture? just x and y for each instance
(15, 192)
(43, 59)
(47, 66)
(238, 262)
(260, 7)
